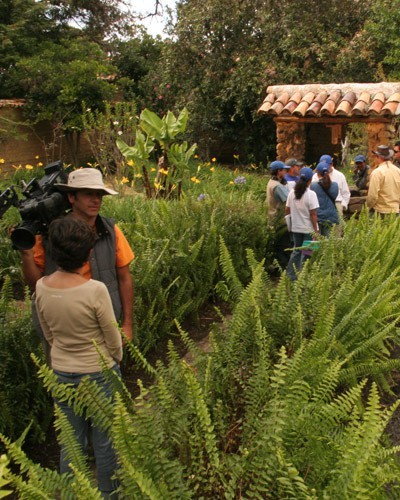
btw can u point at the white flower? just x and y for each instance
(120, 132)
(116, 123)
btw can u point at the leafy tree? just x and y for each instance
(99, 19)
(135, 59)
(223, 54)
(24, 25)
(381, 36)
(59, 79)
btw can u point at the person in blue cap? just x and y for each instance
(302, 205)
(361, 173)
(326, 191)
(343, 198)
(277, 193)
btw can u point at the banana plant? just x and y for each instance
(138, 157)
(173, 161)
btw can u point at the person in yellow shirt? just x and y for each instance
(384, 187)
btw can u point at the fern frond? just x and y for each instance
(67, 439)
(229, 273)
(83, 485)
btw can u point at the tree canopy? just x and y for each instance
(217, 61)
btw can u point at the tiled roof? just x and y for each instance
(336, 100)
(12, 103)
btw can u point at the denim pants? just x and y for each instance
(106, 462)
(297, 258)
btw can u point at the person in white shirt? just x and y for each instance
(302, 204)
(343, 198)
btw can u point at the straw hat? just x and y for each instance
(85, 178)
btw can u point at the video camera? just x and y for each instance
(43, 203)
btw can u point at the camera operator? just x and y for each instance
(111, 255)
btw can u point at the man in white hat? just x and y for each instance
(384, 187)
(111, 255)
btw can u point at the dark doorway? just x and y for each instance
(319, 138)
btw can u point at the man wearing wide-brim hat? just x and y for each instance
(111, 255)
(384, 187)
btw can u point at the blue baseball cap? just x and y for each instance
(322, 167)
(278, 165)
(359, 159)
(306, 173)
(326, 158)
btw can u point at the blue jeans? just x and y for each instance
(106, 462)
(297, 258)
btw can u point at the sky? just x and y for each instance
(153, 24)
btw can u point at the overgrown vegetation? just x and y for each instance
(287, 403)
(23, 400)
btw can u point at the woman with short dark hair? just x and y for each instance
(77, 318)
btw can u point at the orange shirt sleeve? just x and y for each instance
(123, 250)
(38, 253)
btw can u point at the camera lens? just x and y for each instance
(23, 237)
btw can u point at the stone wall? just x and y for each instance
(379, 133)
(291, 140)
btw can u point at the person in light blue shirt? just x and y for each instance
(326, 191)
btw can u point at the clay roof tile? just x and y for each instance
(345, 99)
(317, 104)
(346, 104)
(377, 103)
(292, 104)
(331, 103)
(361, 106)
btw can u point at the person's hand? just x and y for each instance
(127, 330)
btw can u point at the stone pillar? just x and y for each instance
(379, 133)
(291, 140)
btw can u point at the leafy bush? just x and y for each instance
(176, 247)
(23, 399)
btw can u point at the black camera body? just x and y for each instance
(43, 203)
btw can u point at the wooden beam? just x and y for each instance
(332, 119)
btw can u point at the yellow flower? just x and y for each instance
(195, 180)
(37, 157)
(163, 171)
(2, 160)
(231, 182)
(157, 185)
(130, 163)
(138, 176)
(29, 167)
(152, 169)
(236, 157)
(17, 168)
(124, 180)
(40, 164)
(213, 159)
(212, 169)
(196, 156)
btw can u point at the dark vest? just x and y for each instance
(102, 261)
